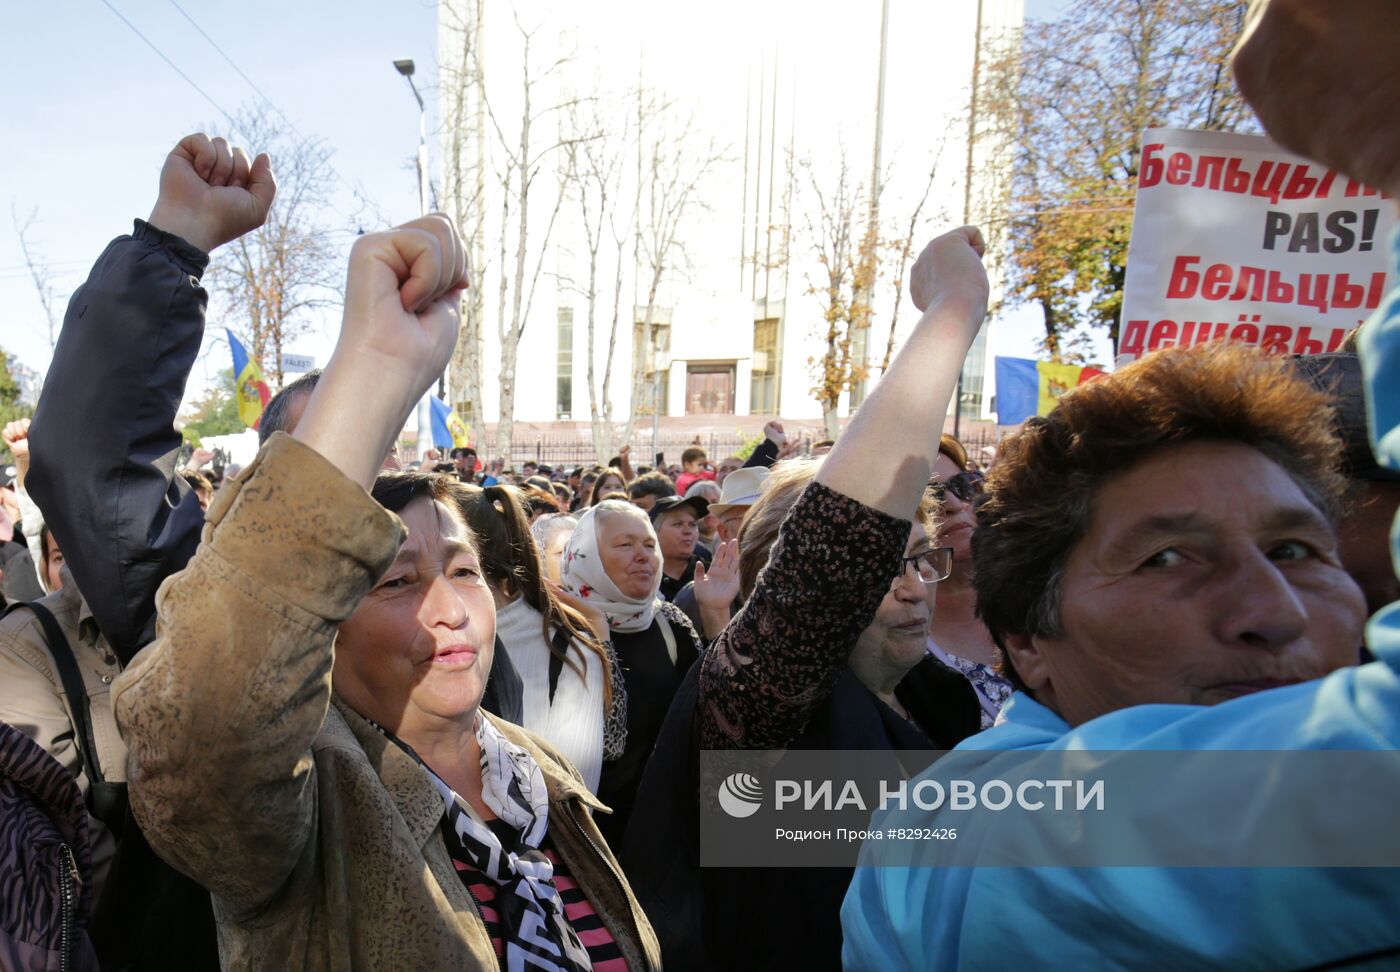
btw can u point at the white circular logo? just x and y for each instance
(740, 795)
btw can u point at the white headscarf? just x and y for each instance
(582, 573)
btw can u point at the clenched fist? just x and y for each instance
(400, 325)
(950, 266)
(401, 299)
(16, 436)
(210, 193)
(1324, 79)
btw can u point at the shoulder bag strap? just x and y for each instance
(669, 635)
(74, 688)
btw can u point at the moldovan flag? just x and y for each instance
(248, 384)
(1026, 387)
(449, 431)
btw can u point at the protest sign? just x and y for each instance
(1236, 239)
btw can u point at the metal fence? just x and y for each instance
(571, 449)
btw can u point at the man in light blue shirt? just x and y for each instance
(1187, 595)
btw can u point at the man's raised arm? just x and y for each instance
(103, 441)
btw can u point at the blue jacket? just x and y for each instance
(1168, 918)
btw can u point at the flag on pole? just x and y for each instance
(249, 388)
(449, 431)
(1026, 387)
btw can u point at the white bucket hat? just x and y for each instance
(741, 488)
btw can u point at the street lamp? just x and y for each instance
(425, 410)
(405, 67)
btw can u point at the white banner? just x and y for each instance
(1236, 239)
(297, 363)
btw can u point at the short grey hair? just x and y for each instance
(707, 488)
(545, 528)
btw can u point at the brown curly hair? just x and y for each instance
(1040, 495)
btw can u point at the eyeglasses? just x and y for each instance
(965, 486)
(931, 566)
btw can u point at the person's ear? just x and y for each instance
(1026, 654)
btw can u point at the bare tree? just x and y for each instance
(463, 105)
(904, 248)
(596, 154)
(847, 269)
(524, 160)
(38, 272)
(277, 276)
(673, 163)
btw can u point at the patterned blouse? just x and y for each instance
(781, 655)
(992, 689)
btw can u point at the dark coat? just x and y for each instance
(829, 570)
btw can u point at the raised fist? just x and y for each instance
(401, 300)
(210, 193)
(773, 431)
(16, 436)
(950, 266)
(1323, 78)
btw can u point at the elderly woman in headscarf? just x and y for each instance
(612, 563)
(306, 738)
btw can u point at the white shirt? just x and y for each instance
(574, 722)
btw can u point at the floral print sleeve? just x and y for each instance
(781, 655)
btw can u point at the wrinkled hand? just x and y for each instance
(597, 621)
(951, 268)
(773, 431)
(210, 193)
(16, 436)
(1323, 78)
(401, 301)
(717, 587)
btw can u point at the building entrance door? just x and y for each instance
(709, 389)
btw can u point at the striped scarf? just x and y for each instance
(537, 933)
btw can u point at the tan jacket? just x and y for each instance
(320, 840)
(32, 698)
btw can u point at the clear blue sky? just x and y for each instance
(89, 111)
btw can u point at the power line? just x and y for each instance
(233, 65)
(270, 103)
(173, 67)
(232, 121)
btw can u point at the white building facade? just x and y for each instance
(769, 98)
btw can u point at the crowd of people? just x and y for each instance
(323, 712)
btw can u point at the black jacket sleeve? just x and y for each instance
(103, 439)
(764, 454)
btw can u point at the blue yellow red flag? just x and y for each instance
(449, 431)
(249, 388)
(1026, 387)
